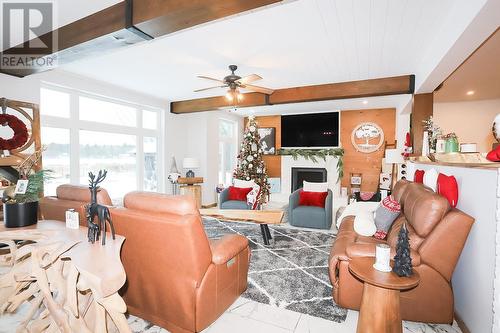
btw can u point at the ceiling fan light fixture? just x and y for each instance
(239, 95)
(229, 95)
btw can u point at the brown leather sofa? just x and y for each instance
(437, 237)
(70, 196)
(176, 277)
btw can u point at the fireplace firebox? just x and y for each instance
(315, 175)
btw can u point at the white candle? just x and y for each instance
(382, 258)
(425, 144)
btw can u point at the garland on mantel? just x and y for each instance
(314, 154)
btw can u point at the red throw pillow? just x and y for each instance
(312, 198)
(238, 193)
(419, 176)
(494, 155)
(447, 186)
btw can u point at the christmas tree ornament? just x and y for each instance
(402, 259)
(250, 165)
(254, 147)
(249, 158)
(252, 129)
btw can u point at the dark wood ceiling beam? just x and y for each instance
(217, 103)
(355, 89)
(159, 17)
(343, 90)
(130, 22)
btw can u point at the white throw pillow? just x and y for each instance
(430, 179)
(243, 183)
(364, 224)
(315, 187)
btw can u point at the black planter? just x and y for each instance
(20, 214)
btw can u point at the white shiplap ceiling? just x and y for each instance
(297, 43)
(380, 102)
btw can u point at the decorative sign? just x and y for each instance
(367, 137)
(21, 186)
(267, 140)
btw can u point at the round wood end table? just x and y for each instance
(380, 303)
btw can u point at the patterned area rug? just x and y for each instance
(290, 273)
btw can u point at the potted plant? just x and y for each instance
(20, 200)
(434, 132)
(451, 143)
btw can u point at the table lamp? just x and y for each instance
(394, 157)
(190, 163)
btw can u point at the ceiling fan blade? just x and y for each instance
(198, 90)
(210, 78)
(263, 90)
(249, 79)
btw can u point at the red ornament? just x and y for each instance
(21, 135)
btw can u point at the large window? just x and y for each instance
(227, 150)
(84, 133)
(56, 157)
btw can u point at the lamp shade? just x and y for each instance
(393, 156)
(190, 163)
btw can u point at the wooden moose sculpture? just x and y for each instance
(94, 209)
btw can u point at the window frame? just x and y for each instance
(74, 124)
(225, 139)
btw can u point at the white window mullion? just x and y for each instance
(140, 153)
(74, 139)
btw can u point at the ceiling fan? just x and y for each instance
(235, 83)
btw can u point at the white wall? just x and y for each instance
(197, 135)
(474, 277)
(471, 121)
(403, 122)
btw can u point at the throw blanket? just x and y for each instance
(253, 197)
(355, 207)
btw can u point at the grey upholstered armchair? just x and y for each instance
(225, 203)
(310, 216)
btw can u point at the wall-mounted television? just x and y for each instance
(310, 130)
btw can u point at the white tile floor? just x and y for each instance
(249, 316)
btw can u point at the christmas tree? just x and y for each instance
(250, 163)
(402, 259)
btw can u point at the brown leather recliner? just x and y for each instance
(437, 236)
(70, 196)
(176, 277)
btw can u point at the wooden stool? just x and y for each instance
(380, 303)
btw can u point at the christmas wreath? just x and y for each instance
(21, 135)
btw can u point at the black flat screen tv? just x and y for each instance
(310, 130)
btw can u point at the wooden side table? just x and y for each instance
(189, 186)
(380, 303)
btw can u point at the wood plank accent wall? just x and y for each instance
(369, 165)
(273, 162)
(423, 105)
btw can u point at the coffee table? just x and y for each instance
(59, 273)
(380, 303)
(262, 217)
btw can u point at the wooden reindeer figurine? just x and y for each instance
(94, 209)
